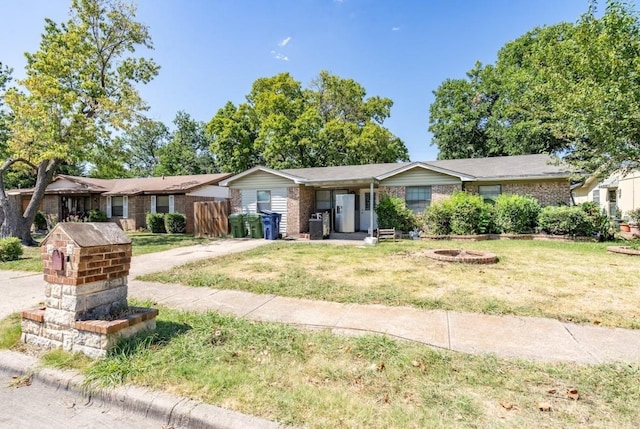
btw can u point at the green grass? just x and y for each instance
(10, 331)
(142, 243)
(145, 242)
(318, 380)
(578, 282)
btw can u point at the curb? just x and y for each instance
(174, 411)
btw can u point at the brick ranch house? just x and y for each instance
(299, 193)
(127, 201)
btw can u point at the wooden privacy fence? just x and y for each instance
(211, 218)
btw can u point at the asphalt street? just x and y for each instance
(36, 405)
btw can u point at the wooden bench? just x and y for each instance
(386, 234)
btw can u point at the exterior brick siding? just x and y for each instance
(549, 192)
(293, 212)
(307, 206)
(441, 192)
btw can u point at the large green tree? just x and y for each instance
(283, 125)
(187, 151)
(568, 89)
(79, 86)
(497, 110)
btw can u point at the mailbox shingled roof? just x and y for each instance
(91, 234)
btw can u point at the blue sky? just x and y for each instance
(211, 51)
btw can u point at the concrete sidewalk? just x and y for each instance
(505, 336)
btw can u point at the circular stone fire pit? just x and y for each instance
(464, 256)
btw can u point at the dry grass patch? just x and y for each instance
(319, 380)
(578, 282)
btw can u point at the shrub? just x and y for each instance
(437, 218)
(175, 223)
(516, 214)
(469, 214)
(565, 221)
(97, 216)
(603, 226)
(10, 249)
(393, 213)
(155, 223)
(40, 221)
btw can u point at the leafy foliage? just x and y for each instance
(175, 223)
(79, 87)
(516, 214)
(564, 220)
(392, 212)
(283, 125)
(469, 214)
(155, 223)
(568, 89)
(96, 215)
(187, 152)
(10, 249)
(40, 221)
(437, 218)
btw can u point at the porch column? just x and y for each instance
(371, 202)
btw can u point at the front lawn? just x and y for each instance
(579, 282)
(319, 380)
(142, 243)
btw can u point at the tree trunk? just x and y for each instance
(15, 222)
(16, 225)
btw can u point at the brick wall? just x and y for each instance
(51, 204)
(441, 192)
(548, 192)
(438, 192)
(307, 207)
(87, 264)
(293, 211)
(392, 191)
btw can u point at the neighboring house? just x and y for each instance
(617, 194)
(298, 193)
(127, 201)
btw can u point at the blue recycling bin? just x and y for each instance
(271, 224)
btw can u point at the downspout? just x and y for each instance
(371, 208)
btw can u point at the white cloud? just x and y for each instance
(279, 56)
(285, 41)
(395, 28)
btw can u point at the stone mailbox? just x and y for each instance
(85, 272)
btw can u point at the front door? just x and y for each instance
(365, 210)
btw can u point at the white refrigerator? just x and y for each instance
(345, 213)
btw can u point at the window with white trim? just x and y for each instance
(418, 198)
(117, 206)
(490, 192)
(162, 203)
(596, 196)
(263, 201)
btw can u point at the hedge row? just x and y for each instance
(467, 214)
(173, 223)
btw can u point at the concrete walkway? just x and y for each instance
(505, 336)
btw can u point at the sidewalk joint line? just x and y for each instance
(260, 306)
(347, 310)
(597, 358)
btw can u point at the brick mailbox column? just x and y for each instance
(85, 271)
